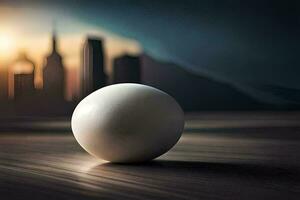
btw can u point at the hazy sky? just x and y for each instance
(252, 44)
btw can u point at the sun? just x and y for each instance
(7, 46)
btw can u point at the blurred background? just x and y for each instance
(208, 55)
(232, 65)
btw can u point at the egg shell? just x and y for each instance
(127, 123)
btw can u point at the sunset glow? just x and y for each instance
(7, 46)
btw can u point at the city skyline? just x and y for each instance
(24, 30)
(14, 67)
(72, 68)
(19, 93)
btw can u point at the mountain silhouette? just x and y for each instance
(288, 94)
(195, 92)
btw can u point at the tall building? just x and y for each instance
(93, 76)
(3, 83)
(54, 74)
(126, 69)
(23, 78)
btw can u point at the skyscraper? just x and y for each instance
(23, 77)
(126, 69)
(54, 74)
(93, 76)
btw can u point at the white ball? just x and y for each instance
(127, 123)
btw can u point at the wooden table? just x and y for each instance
(219, 157)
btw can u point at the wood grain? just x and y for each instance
(217, 158)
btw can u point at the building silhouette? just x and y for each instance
(126, 69)
(3, 83)
(54, 74)
(93, 76)
(23, 78)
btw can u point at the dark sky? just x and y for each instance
(252, 44)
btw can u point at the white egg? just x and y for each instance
(127, 123)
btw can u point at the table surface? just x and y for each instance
(220, 156)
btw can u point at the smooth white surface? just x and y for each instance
(127, 123)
